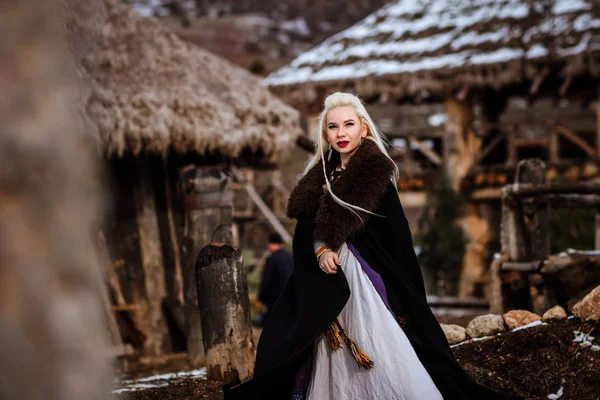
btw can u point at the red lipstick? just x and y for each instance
(343, 143)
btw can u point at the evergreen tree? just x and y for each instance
(441, 239)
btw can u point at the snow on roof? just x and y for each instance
(434, 37)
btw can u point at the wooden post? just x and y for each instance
(173, 302)
(225, 313)
(511, 147)
(152, 263)
(597, 235)
(208, 201)
(461, 145)
(524, 232)
(477, 235)
(553, 146)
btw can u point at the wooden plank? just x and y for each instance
(271, 217)
(430, 154)
(578, 141)
(529, 266)
(175, 281)
(153, 272)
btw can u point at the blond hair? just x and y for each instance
(341, 99)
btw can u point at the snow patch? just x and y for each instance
(584, 339)
(569, 6)
(157, 381)
(530, 325)
(556, 395)
(437, 119)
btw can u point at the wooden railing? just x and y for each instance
(525, 243)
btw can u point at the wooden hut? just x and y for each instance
(161, 105)
(469, 88)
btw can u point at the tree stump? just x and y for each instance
(225, 313)
(208, 201)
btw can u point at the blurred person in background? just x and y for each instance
(276, 272)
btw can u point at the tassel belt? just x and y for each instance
(336, 335)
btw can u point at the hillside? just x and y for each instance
(259, 35)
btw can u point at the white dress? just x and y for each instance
(397, 373)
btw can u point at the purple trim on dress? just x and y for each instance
(374, 277)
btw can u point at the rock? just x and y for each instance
(517, 318)
(454, 333)
(485, 325)
(556, 312)
(588, 309)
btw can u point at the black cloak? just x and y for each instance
(312, 300)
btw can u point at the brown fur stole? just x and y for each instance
(362, 184)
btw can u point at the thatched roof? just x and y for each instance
(429, 47)
(154, 92)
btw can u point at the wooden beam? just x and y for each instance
(574, 200)
(489, 147)
(280, 187)
(553, 147)
(271, 217)
(528, 190)
(126, 307)
(537, 82)
(573, 137)
(531, 142)
(565, 86)
(430, 154)
(306, 144)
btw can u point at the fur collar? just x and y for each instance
(364, 181)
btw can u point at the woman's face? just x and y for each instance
(344, 129)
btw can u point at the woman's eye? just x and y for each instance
(350, 124)
(331, 126)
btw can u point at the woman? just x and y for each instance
(353, 321)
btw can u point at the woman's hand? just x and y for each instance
(328, 262)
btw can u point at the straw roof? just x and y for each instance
(154, 92)
(428, 47)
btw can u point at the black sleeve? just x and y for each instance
(397, 239)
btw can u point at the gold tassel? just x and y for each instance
(335, 336)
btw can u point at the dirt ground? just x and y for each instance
(534, 362)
